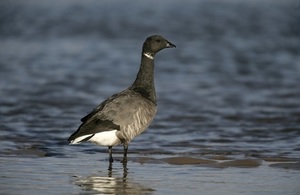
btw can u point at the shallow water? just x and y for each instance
(228, 96)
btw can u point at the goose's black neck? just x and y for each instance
(144, 82)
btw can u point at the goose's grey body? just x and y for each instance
(127, 114)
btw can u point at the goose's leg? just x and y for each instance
(110, 154)
(111, 160)
(125, 153)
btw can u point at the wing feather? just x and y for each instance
(111, 114)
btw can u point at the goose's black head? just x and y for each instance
(155, 43)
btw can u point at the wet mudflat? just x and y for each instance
(151, 174)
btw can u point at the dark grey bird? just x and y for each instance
(125, 115)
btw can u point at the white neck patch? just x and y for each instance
(148, 55)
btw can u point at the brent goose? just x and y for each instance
(124, 115)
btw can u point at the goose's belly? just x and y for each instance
(106, 138)
(142, 119)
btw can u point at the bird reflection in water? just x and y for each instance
(124, 163)
(111, 184)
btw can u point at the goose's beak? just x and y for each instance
(170, 45)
